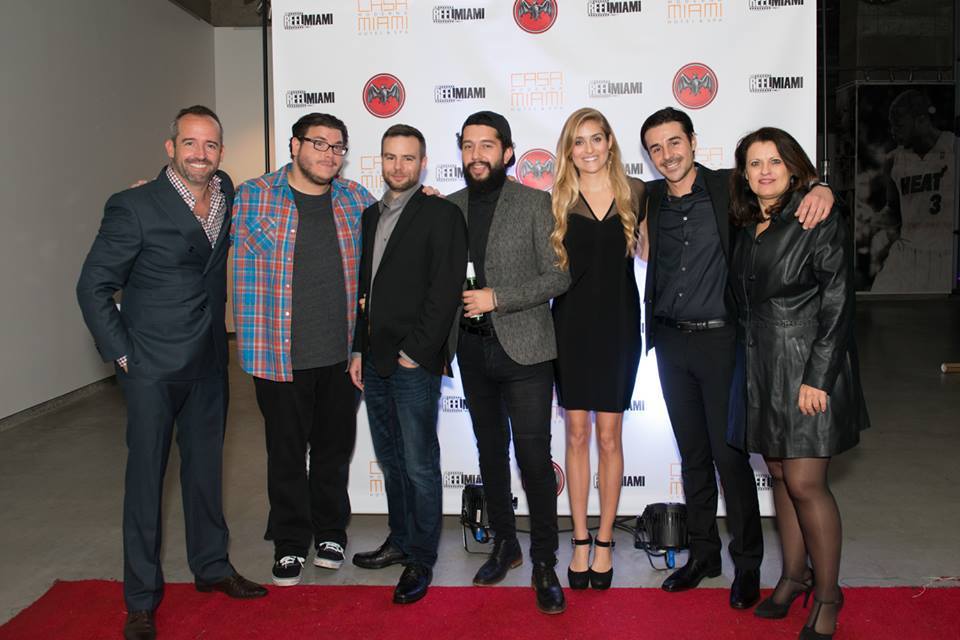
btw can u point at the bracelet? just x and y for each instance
(495, 305)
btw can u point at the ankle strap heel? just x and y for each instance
(579, 579)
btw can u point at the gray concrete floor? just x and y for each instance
(61, 476)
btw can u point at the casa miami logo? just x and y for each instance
(384, 95)
(694, 11)
(535, 16)
(536, 90)
(535, 169)
(382, 17)
(695, 85)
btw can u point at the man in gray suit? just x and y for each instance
(507, 346)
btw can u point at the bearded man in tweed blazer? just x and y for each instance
(506, 355)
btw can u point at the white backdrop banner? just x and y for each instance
(733, 65)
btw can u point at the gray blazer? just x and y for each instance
(520, 266)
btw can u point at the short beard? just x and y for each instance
(493, 182)
(321, 182)
(403, 186)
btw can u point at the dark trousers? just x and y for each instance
(506, 398)
(696, 372)
(199, 409)
(317, 409)
(402, 410)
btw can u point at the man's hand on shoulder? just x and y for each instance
(815, 206)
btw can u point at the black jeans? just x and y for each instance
(318, 408)
(507, 398)
(696, 371)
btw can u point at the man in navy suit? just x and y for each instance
(164, 246)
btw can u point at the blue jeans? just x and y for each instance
(402, 410)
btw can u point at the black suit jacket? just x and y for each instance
(418, 285)
(152, 248)
(718, 186)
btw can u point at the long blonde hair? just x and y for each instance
(566, 187)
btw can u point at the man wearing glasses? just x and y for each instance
(296, 239)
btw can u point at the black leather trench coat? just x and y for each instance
(795, 294)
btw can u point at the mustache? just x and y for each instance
(480, 163)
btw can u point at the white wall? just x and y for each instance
(239, 83)
(89, 89)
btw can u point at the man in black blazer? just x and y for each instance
(164, 246)
(690, 317)
(411, 274)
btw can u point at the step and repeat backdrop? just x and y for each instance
(734, 65)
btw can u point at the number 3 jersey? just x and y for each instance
(925, 185)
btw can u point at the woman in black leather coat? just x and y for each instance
(795, 294)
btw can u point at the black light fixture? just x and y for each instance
(662, 530)
(473, 515)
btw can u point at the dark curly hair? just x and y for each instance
(744, 205)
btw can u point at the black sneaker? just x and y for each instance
(286, 571)
(329, 555)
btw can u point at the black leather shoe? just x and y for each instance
(549, 593)
(139, 626)
(506, 555)
(413, 583)
(745, 591)
(690, 575)
(235, 586)
(383, 556)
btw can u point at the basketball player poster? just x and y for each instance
(905, 210)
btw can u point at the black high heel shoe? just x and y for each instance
(772, 609)
(602, 580)
(809, 632)
(579, 579)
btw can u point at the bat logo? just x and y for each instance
(695, 85)
(536, 168)
(384, 95)
(535, 16)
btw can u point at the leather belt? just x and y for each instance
(486, 332)
(692, 325)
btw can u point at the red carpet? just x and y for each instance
(93, 610)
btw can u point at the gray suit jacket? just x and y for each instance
(520, 266)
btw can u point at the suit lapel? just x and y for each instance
(407, 216)
(370, 219)
(499, 224)
(720, 198)
(221, 245)
(182, 218)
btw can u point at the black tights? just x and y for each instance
(809, 524)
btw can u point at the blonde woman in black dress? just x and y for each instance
(795, 296)
(598, 213)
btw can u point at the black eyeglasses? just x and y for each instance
(322, 145)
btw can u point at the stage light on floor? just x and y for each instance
(662, 530)
(474, 517)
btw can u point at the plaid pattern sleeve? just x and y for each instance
(263, 232)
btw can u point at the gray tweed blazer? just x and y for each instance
(520, 266)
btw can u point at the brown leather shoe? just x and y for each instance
(235, 586)
(139, 626)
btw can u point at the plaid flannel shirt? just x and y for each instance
(263, 233)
